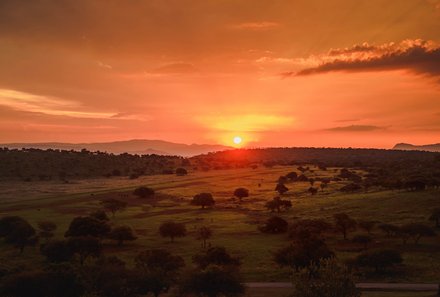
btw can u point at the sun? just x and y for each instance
(237, 139)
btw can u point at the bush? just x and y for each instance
(144, 192)
(203, 200)
(380, 260)
(215, 256)
(274, 225)
(172, 230)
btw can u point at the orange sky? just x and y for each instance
(362, 73)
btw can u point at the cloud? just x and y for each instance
(174, 68)
(356, 128)
(257, 26)
(23, 101)
(418, 56)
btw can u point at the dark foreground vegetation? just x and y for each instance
(306, 204)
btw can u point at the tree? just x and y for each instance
(172, 230)
(350, 188)
(85, 247)
(158, 271)
(277, 204)
(204, 233)
(283, 179)
(313, 191)
(203, 200)
(144, 192)
(99, 215)
(389, 229)
(367, 225)
(274, 225)
(121, 234)
(344, 223)
(181, 171)
(301, 230)
(292, 176)
(364, 240)
(302, 254)
(322, 185)
(212, 282)
(114, 205)
(380, 260)
(47, 229)
(435, 216)
(281, 188)
(57, 251)
(417, 231)
(87, 226)
(241, 193)
(17, 232)
(216, 256)
(330, 278)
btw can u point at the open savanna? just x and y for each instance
(234, 224)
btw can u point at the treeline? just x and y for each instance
(36, 164)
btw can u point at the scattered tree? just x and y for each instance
(181, 171)
(204, 233)
(215, 256)
(292, 176)
(121, 234)
(301, 230)
(281, 188)
(114, 205)
(144, 192)
(416, 231)
(57, 251)
(363, 240)
(367, 226)
(17, 231)
(277, 204)
(85, 247)
(87, 226)
(172, 230)
(313, 191)
(380, 260)
(389, 229)
(241, 193)
(203, 200)
(435, 216)
(99, 215)
(274, 225)
(344, 224)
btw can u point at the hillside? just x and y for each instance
(134, 146)
(411, 147)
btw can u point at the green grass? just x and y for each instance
(234, 225)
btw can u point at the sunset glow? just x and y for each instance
(357, 74)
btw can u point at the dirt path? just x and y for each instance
(363, 286)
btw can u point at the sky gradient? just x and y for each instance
(338, 73)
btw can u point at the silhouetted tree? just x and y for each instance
(203, 200)
(17, 231)
(302, 254)
(274, 225)
(99, 215)
(121, 234)
(212, 282)
(114, 205)
(281, 188)
(312, 191)
(380, 260)
(57, 251)
(292, 176)
(181, 171)
(215, 256)
(301, 230)
(416, 231)
(389, 229)
(241, 193)
(344, 223)
(87, 226)
(172, 230)
(144, 192)
(85, 247)
(277, 204)
(204, 233)
(329, 278)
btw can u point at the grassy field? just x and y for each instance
(234, 224)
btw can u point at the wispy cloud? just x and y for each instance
(356, 128)
(41, 104)
(416, 55)
(257, 26)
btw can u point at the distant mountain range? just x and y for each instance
(411, 147)
(135, 146)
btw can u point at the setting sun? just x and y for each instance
(237, 140)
